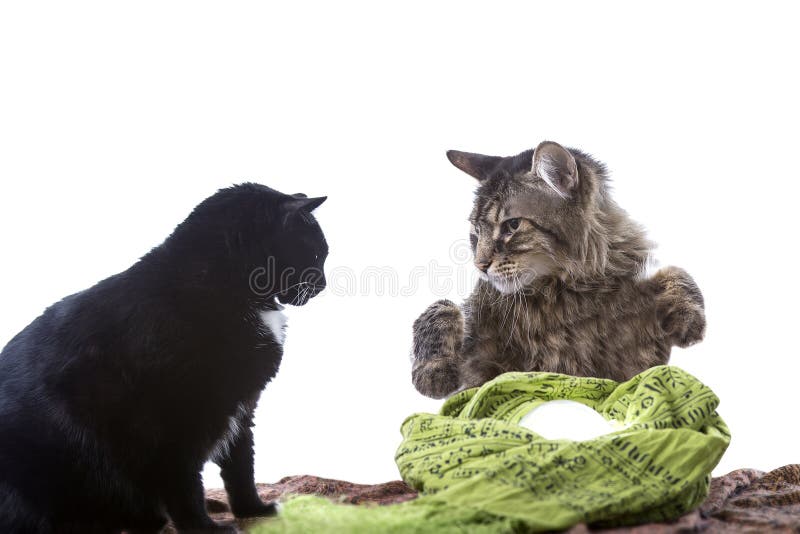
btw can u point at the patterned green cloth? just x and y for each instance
(475, 456)
(480, 472)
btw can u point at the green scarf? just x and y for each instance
(478, 470)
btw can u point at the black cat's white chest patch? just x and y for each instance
(274, 322)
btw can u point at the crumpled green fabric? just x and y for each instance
(480, 472)
(474, 456)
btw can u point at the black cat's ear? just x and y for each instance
(557, 167)
(302, 203)
(476, 165)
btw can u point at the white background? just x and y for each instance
(116, 119)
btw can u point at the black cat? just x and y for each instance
(114, 398)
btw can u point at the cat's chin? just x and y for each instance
(500, 284)
(509, 285)
(506, 286)
(299, 299)
(281, 299)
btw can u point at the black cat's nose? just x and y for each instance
(483, 266)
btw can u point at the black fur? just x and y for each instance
(112, 400)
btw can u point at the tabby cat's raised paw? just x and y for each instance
(680, 306)
(438, 336)
(439, 331)
(436, 378)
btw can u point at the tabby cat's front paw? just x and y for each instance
(439, 331)
(438, 334)
(436, 378)
(679, 306)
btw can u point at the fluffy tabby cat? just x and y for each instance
(114, 398)
(562, 287)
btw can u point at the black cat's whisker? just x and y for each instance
(284, 290)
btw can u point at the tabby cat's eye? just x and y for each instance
(512, 224)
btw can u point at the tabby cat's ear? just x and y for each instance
(556, 166)
(301, 203)
(476, 165)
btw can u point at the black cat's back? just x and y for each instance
(50, 452)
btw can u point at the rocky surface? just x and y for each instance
(745, 500)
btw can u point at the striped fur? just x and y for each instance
(562, 286)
